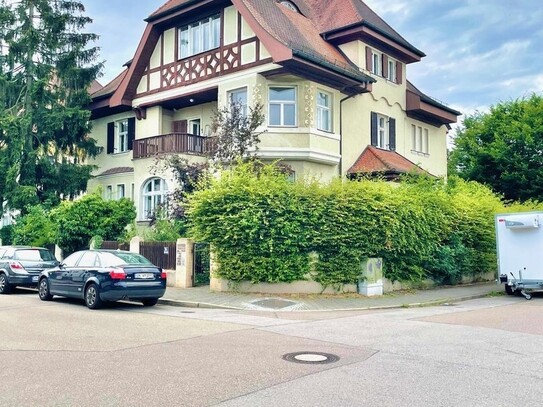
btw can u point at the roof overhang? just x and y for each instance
(430, 111)
(371, 35)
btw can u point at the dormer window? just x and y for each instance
(200, 36)
(290, 5)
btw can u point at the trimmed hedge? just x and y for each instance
(264, 228)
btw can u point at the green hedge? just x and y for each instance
(266, 229)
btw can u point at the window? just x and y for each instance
(194, 126)
(89, 259)
(383, 131)
(120, 191)
(324, 111)
(239, 96)
(121, 144)
(154, 194)
(376, 59)
(289, 5)
(282, 110)
(109, 192)
(391, 72)
(121, 135)
(72, 259)
(200, 36)
(420, 139)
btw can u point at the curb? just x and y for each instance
(203, 305)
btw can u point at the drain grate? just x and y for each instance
(312, 358)
(274, 303)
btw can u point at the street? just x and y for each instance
(485, 352)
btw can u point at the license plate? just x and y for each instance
(144, 276)
(35, 279)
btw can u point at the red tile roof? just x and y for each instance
(116, 170)
(110, 87)
(376, 160)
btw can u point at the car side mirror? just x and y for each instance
(61, 265)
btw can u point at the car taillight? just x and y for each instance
(16, 266)
(117, 274)
(163, 275)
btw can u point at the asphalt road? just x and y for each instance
(486, 352)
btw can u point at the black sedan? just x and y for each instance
(97, 276)
(21, 266)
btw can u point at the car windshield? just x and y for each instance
(110, 259)
(34, 254)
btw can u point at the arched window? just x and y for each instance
(290, 5)
(154, 194)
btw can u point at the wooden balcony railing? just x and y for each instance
(181, 143)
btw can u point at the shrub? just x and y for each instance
(264, 228)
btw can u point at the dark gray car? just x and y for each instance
(22, 265)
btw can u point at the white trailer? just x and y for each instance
(519, 240)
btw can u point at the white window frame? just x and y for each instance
(324, 112)
(194, 126)
(109, 192)
(420, 138)
(153, 197)
(121, 137)
(376, 63)
(425, 142)
(282, 104)
(391, 72)
(121, 191)
(200, 36)
(383, 136)
(232, 98)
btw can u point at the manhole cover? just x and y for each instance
(313, 358)
(274, 303)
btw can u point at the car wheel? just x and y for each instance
(43, 290)
(149, 302)
(92, 297)
(5, 287)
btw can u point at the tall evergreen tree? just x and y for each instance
(47, 64)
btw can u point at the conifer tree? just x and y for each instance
(47, 64)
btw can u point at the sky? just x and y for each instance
(479, 52)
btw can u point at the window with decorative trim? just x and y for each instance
(200, 36)
(324, 111)
(282, 106)
(154, 193)
(383, 131)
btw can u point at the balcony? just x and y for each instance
(173, 143)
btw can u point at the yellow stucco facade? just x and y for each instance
(310, 149)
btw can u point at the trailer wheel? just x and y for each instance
(509, 290)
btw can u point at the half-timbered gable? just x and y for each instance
(331, 75)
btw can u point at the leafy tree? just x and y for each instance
(35, 228)
(503, 149)
(76, 222)
(46, 68)
(235, 136)
(235, 132)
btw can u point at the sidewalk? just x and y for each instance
(201, 297)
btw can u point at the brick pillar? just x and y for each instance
(184, 263)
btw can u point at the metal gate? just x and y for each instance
(200, 265)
